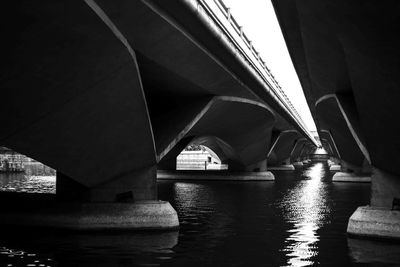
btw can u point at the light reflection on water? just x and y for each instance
(305, 206)
(281, 223)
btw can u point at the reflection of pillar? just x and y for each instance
(378, 220)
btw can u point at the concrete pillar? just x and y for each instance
(137, 185)
(348, 167)
(351, 173)
(333, 161)
(334, 164)
(287, 161)
(167, 164)
(385, 187)
(381, 219)
(254, 172)
(126, 202)
(130, 187)
(286, 166)
(260, 166)
(298, 164)
(69, 190)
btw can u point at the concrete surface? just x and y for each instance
(384, 188)
(335, 167)
(288, 167)
(297, 164)
(340, 70)
(374, 222)
(350, 177)
(215, 175)
(116, 98)
(142, 215)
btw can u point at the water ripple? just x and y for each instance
(305, 206)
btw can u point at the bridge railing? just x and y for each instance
(222, 16)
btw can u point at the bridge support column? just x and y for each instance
(351, 173)
(168, 164)
(298, 164)
(335, 167)
(260, 166)
(128, 202)
(254, 172)
(260, 170)
(286, 166)
(334, 164)
(382, 218)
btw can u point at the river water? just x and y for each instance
(298, 220)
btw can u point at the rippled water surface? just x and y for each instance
(37, 178)
(298, 220)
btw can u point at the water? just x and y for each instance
(37, 178)
(298, 220)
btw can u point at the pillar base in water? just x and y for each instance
(375, 222)
(141, 215)
(350, 177)
(215, 175)
(298, 164)
(335, 168)
(288, 167)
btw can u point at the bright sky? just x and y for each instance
(261, 26)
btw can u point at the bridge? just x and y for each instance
(108, 92)
(346, 56)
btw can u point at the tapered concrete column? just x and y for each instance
(298, 164)
(253, 172)
(168, 164)
(127, 202)
(137, 185)
(284, 167)
(69, 190)
(130, 187)
(260, 166)
(351, 173)
(385, 187)
(287, 161)
(381, 219)
(334, 164)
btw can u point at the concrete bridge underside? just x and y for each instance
(105, 91)
(346, 54)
